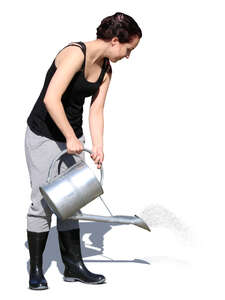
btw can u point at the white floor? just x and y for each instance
(136, 263)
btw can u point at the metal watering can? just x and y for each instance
(67, 193)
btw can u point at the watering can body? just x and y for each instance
(69, 192)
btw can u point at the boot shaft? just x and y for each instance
(36, 244)
(69, 244)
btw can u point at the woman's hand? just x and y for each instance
(97, 155)
(74, 146)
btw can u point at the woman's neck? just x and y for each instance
(96, 51)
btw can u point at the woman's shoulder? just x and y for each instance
(71, 51)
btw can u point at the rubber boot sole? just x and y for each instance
(38, 288)
(73, 279)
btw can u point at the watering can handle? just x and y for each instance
(65, 151)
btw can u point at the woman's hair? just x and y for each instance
(118, 25)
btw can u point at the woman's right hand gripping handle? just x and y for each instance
(74, 146)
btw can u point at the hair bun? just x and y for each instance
(118, 25)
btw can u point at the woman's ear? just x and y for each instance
(114, 41)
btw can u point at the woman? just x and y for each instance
(79, 70)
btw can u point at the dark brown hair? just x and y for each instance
(118, 25)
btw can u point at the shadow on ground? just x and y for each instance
(96, 232)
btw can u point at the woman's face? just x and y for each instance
(121, 50)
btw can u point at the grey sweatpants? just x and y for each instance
(40, 152)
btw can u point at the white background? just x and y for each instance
(163, 144)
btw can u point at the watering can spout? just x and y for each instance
(112, 219)
(140, 223)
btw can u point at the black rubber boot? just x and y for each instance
(75, 270)
(36, 243)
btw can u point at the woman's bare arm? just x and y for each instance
(96, 119)
(65, 71)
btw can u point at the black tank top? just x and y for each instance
(40, 121)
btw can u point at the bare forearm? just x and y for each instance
(57, 113)
(96, 124)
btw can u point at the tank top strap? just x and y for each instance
(83, 48)
(104, 66)
(104, 69)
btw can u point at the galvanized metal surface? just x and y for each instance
(70, 191)
(112, 219)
